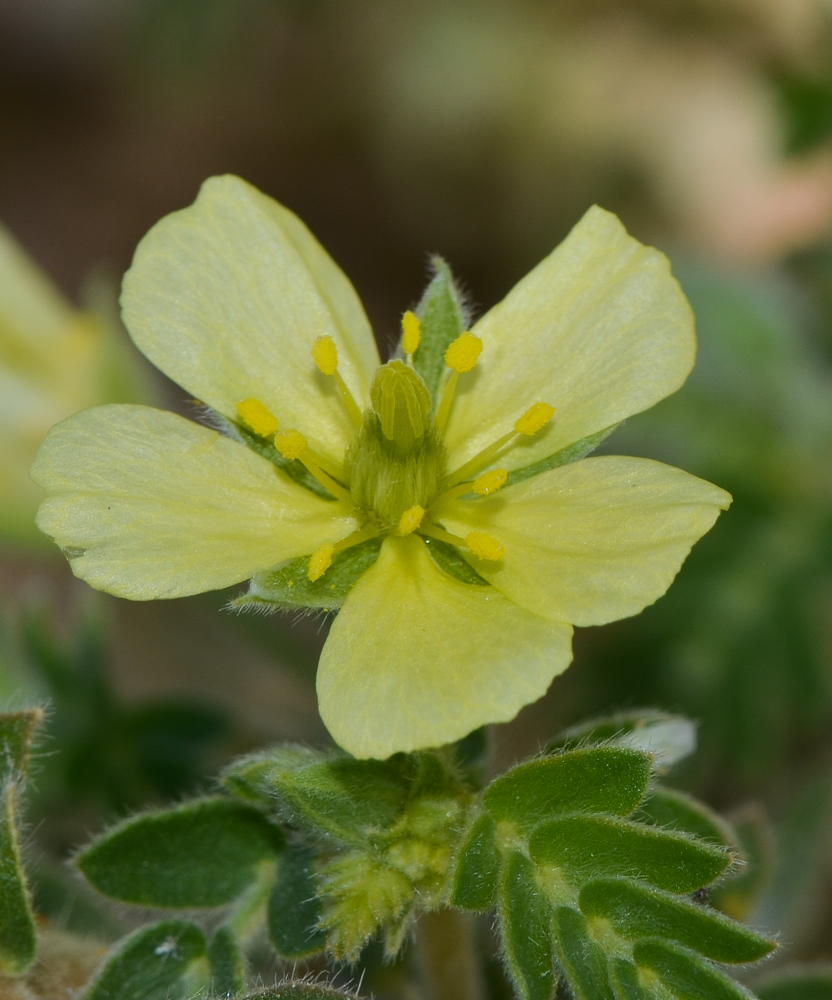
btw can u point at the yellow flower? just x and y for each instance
(54, 360)
(235, 300)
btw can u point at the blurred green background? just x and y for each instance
(480, 130)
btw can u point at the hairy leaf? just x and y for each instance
(202, 854)
(627, 983)
(581, 958)
(686, 975)
(588, 847)
(636, 911)
(294, 908)
(227, 965)
(477, 868)
(330, 792)
(525, 930)
(18, 934)
(163, 961)
(676, 811)
(599, 779)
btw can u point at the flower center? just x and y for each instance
(394, 479)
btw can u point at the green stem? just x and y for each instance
(447, 957)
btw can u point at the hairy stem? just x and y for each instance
(447, 957)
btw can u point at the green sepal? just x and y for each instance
(288, 586)
(665, 807)
(327, 791)
(670, 738)
(592, 847)
(598, 779)
(477, 867)
(685, 974)
(164, 961)
(202, 854)
(636, 911)
(525, 917)
(738, 894)
(18, 933)
(626, 981)
(264, 446)
(443, 318)
(294, 909)
(448, 559)
(797, 983)
(581, 957)
(227, 965)
(571, 453)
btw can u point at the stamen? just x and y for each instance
(320, 561)
(290, 444)
(532, 421)
(485, 546)
(411, 519)
(488, 482)
(325, 356)
(460, 357)
(293, 445)
(411, 333)
(321, 558)
(257, 417)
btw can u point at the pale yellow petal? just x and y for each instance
(593, 541)
(599, 330)
(418, 659)
(147, 504)
(228, 296)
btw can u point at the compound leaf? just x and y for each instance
(477, 869)
(581, 957)
(294, 909)
(525, 929)
(685, 974)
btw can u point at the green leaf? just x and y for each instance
(163, 961)
(294, 908)
(600, 779)
(524, 929)
(686, 975)
(670, 738)
(300, 991)
(329, 792)
(636, 911)
(227, 965)
(443, 317)
(18, 934)
(797, 983)
(676, 811)
(571, 453)
(288, 585)
(738, 894)
(626, 982)
(591, 847)
(202, 854)
(581, 957)
(477, 868)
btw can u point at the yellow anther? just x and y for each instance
(411, 332)
(320, 561)
(534, 419)
(256, 417)
(325, 355)
(290, 444)
(484, 546)
(411, 519)
(462, 355)
(490, 482)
